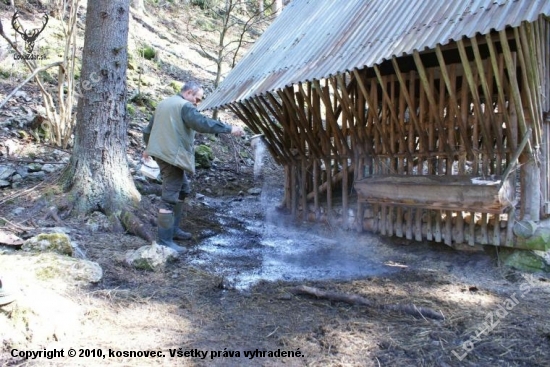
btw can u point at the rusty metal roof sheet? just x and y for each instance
(314, 39)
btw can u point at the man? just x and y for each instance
(171, 143)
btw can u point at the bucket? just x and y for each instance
(255, 139)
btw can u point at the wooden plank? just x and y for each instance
(430, 94)
(418, 224)
(448, 228)
(450, 119)
(270, 131)
(303, 188)
(309, 144)
(472, 229)
(411, 134)
(496, 230)
(345, 190)
(487, 93)
(429, 230)
(511, 69)
(437, 230)
(279, 111)
(293, 191)
(408, 93)
(326, 146)
(459, 227)
(529, 75)
(484, 230)
(328, 170)
(291, 122)
(509, 241)
(443, 145)
(331, 118)
(450, 84)
(451, 191)
(382, 225)
(316, 186)
(409, 223)
(468, 73)
(498, 73)
(431, 121)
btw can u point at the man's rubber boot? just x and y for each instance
(5, 296)
(165, 231)
(179, 234)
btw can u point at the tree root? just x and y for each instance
(134, 225)
(409, 309)
(52, 212)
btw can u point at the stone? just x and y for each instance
(98, 222)
(49, 168)
(6, 172)
(203, 156)
(38, 175)
(540, 240)
(16, 178)
(4, 183)
(49, 242)
(526, 260)
(254, 191)
(22, 171)
(151, 258)
(86, 271)
(34, 167)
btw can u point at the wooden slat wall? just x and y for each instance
(463, 116)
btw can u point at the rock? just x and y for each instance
(52, 242)
(16, 178)
(203, 156)
(255, 191)
(540, 240)
(4, 183)
(6, 172)
(152, 258)
(34, 167)
(49, 168)
(526, 260)
(22, 171)
(46, 316)
(98, 222)
(18, 211)
(86, 271)
(38, 175)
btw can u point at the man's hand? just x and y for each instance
(237, 130)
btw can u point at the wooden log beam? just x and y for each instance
(373, 108)
(409, 309)
(515, 91)
(468, 73)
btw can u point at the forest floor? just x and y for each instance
(231, 300)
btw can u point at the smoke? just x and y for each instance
(257, 143)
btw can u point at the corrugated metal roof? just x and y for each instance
(314, 39)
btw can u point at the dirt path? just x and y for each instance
(493, 316)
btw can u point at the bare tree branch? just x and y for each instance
(36, 71)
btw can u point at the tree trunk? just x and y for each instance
(98, 176)
(261, 7)
(277, 6)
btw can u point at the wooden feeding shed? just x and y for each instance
(427, 119)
